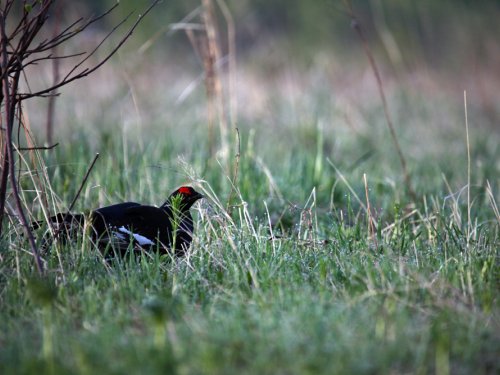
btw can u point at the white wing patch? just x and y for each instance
(140, 239)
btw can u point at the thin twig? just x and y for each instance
(49, 126)
(70, 31)
(83, 182)
(38, 147)
(61, 225)
(68, 212)
(96, 47)
(3, 184)
(51, 57)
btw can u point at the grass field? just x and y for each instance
(297, 276)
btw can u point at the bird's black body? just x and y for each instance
(124, 226)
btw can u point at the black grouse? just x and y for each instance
(129, 225)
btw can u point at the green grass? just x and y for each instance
(419, 295)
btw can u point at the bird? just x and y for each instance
(118, 228)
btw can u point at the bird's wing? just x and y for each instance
(147, 224)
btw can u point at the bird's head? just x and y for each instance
(185, 197)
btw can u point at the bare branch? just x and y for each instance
(30, 31)
(10, 107)
(88, 71)
(97, 47)
(68, 34)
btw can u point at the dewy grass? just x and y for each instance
(319, 295)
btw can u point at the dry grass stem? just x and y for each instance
(357, 26)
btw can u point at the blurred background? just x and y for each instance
(444, 47)
(301, 77)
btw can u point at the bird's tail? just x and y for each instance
(64, 220)
(66, 226)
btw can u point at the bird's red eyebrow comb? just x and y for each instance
(185, 190)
